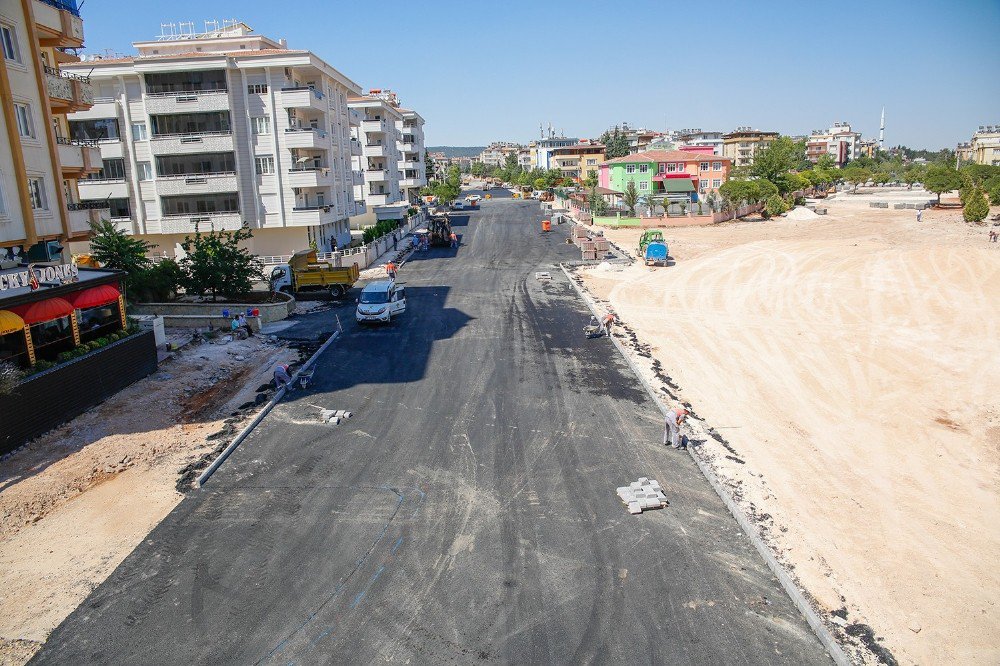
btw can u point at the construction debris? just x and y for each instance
(543, 275)
(334, 416)
(642, 494)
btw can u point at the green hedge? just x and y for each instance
(85, 348)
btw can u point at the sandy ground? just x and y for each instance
(75, 502)
(850, 367)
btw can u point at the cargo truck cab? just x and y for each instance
(380, 302)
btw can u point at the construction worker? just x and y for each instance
(282, 377)
(454, 239)
(607, 322)
(671, 426)
(390, 269)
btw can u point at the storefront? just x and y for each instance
(47, 310)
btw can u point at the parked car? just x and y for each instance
(457, 205)
(473, 197)
(380, 301)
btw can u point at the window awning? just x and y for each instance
(10, 323)
(93, 297)
(677, 185)
(47, 310)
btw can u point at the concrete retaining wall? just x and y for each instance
(276, 311)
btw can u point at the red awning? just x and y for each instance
(94, 297)
(47, 310)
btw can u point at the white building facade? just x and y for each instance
(839, 142)
(412, 153)
(379, 136)
(219, 130)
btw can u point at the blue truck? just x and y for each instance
(656, 253)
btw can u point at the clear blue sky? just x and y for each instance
(479, 71)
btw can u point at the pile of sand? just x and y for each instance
(801, 213)
(850, 371)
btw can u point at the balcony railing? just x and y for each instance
(65, 75)
(185, 93)
(64, 141)
(193, 136)
(89, 205)
(87, 181)
(299, 169)
(319, 95)
(65, 5)
(195, 177)
(320, 132)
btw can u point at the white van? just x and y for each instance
(380, 301)
(537, 193)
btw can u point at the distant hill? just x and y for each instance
(456, 151)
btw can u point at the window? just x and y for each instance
(113, 169)
(261, 125)
(145, 170)
(662, 167)
(716, 184)
(644, 185)
(716, 166)
(703, 166)
(139, 132)
(263, 165)
(119, 208)
(592, 162)
(257, 88)
(9, 40)
(629, 168)
(25, 127)
(643, 168)
(671, 168)
(36, 192)
(101, 129)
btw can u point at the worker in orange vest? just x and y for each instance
(454, 239)
(390, 269)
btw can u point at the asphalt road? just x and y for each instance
(466, 513)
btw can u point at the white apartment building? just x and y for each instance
(412, 167)
(495, 154)
(379, 135)
(219, 129)
(839, 142)
(39, 164)
(699, 137)
(984, 147)
(542, 156)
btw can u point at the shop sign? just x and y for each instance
(33, 275)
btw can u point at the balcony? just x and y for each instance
(357, 177)
(306, 137)
(83, 214)
(188, 101)
(377, 199)
(376, 175)
(355, 147)
(374, 150)
(309, 177)
(186, 224)
(408, 147)
(308, 216)
(412, 182)
(187, 144)
(58, 23)
(303, 97)
(411, 165)
(78, 157)
(103, 189)
(68, 93)
(368, 125)
(197, 183)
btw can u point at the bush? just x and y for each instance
(43, 365)
(976, 207)
(158, 283)
(995, 194)
(64, 356)
(10, 375)
(775, 206)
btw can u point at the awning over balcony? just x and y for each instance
(677, 185)
(94, 297)
(47, 310)
(10, 323)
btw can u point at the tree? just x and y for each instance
(615, 144)
(855, 175)
(428, 166)
(541, 183)
(216, 263)
(792, 182)
(590, 182)
(976, 207)
(115, 249)
(598, 206)
(738, 192)
(940, 179)
(631, 197)
(478, 169)
(511, 169)
(777, 159)
(914, 173)
(825, 162)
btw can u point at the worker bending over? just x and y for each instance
(671, 426)
(607, 322)
(282, 377)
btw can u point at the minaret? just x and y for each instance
(881, 130)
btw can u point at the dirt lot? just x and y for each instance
(75, 502)
(850, 367)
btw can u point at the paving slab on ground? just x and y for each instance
(466, 512)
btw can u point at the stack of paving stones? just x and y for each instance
(643, 494)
